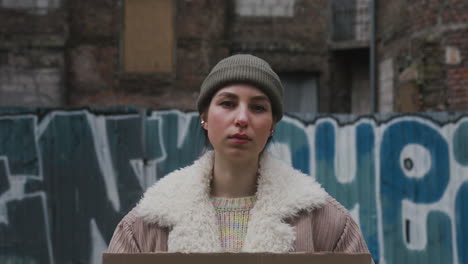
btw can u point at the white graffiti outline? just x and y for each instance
(147, 172)
(458, 173)
(344, 136)
(283, 151)
(98, 243)
(447, 202)
(18, 184)
(101, 147)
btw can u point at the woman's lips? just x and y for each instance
(239, 138)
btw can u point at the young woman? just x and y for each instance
(237, 198)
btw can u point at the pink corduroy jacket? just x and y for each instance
(292, 213)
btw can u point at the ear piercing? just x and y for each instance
(202, 122)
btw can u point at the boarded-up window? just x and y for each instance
(148, 36)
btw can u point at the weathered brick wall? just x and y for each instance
(58, 54)
(85, 39)
(32, 67)
(457, 69)
(201, 43)
(96, 76)
(291, 35)
(427, 42)
(92, 52)
(292, 38)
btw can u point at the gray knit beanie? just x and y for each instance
(243, 68)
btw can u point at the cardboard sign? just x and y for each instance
(236, 258)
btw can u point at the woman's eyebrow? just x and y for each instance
(260, 98)
(227, 94)
(234, 96)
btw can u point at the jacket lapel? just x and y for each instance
(181, 201)
(282, 194)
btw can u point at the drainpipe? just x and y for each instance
(372, 57)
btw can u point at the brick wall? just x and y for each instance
(427, 41)
(205, 32)
(77, 56)
(54, 54)
(92, 52)
(96, 76)
(456, 51)
(292, 40)
(32, 39)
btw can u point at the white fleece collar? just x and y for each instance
(181, 201)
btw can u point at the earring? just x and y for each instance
(202, 122)
(271, 132)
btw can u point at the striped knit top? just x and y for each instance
(233, 217)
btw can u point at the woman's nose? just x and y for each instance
(242, 119)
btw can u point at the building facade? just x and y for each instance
(340, 56)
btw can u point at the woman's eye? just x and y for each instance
(259, 108)
(227, 104)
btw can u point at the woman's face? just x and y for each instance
(239, 121)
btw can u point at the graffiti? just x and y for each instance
(68, 177)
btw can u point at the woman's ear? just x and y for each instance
(203, 121)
